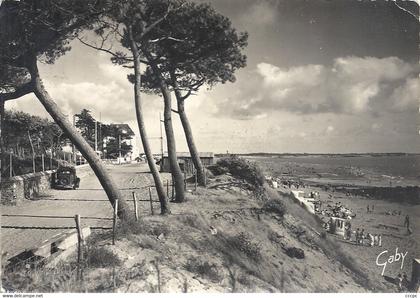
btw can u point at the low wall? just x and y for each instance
(30, 186)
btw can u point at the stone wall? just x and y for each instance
(30, 186)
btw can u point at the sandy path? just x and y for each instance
(69, 203)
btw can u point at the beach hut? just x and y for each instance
(310, 204)
(337, 225)
(185, 161)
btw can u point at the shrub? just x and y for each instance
(99, 257)
(205, 269)
(159, 229)
(193, 221)
(217, 169)
(275, 206)
(243, 169)
(243, 243)
(129, 226)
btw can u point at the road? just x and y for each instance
(89, 200)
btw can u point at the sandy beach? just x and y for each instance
(350, 187)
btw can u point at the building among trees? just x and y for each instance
(185, 161)
(117, 144)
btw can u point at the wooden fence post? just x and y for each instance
(11, 164)
(195, 180)
(205, 177)
(136, 212)
(173, 188)
(79, 243)
(185, 181)
(43, 165)
(167, 188)
(114, 223)
(151, 202)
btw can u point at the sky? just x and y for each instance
(322, 76)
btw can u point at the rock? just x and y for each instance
(294, 252)
(161, 236)
(213, 230)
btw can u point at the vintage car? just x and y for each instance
(65, 178)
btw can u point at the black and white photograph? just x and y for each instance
(209, 147)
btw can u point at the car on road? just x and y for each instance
(65, 178)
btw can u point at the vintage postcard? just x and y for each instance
(209, 146)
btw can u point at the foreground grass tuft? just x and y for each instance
(243, 243)
(275, 206)
(204, 269)
(100, 257)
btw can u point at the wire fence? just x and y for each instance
(70, 276)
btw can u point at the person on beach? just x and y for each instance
(357, 236)
(399, 281)
(405, 281)
(379, 240)
(372, 239)
(407, 221)
(362, 236)
(367, 208)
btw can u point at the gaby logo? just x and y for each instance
(383, 259)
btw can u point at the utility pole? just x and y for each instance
(96, 136)
(119, 147)
(73, 147)
(161, 134)
(100, 134)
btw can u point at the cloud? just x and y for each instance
(407, 95)
(351, 85)
(116, 74)
(260, 13)
(109, 98)
(329, 129)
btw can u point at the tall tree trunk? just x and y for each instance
(189, 137)
(2, 148)
(178, 177)
(2, 112)
(95, 163)
(163, 199)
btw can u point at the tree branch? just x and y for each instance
(114, 54)
(167, 37)
(186, 95)
(158, 21)
(19, 92)
(407, 11)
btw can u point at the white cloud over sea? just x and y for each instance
(350, 85)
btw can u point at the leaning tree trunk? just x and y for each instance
(190, 139)
(2, 112)
(95, 163)
(178, 177)
(163, 199)
(2, 151)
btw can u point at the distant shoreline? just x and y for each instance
(322, 154)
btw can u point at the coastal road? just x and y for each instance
(24, 226)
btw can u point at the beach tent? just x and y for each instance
(337, 225)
